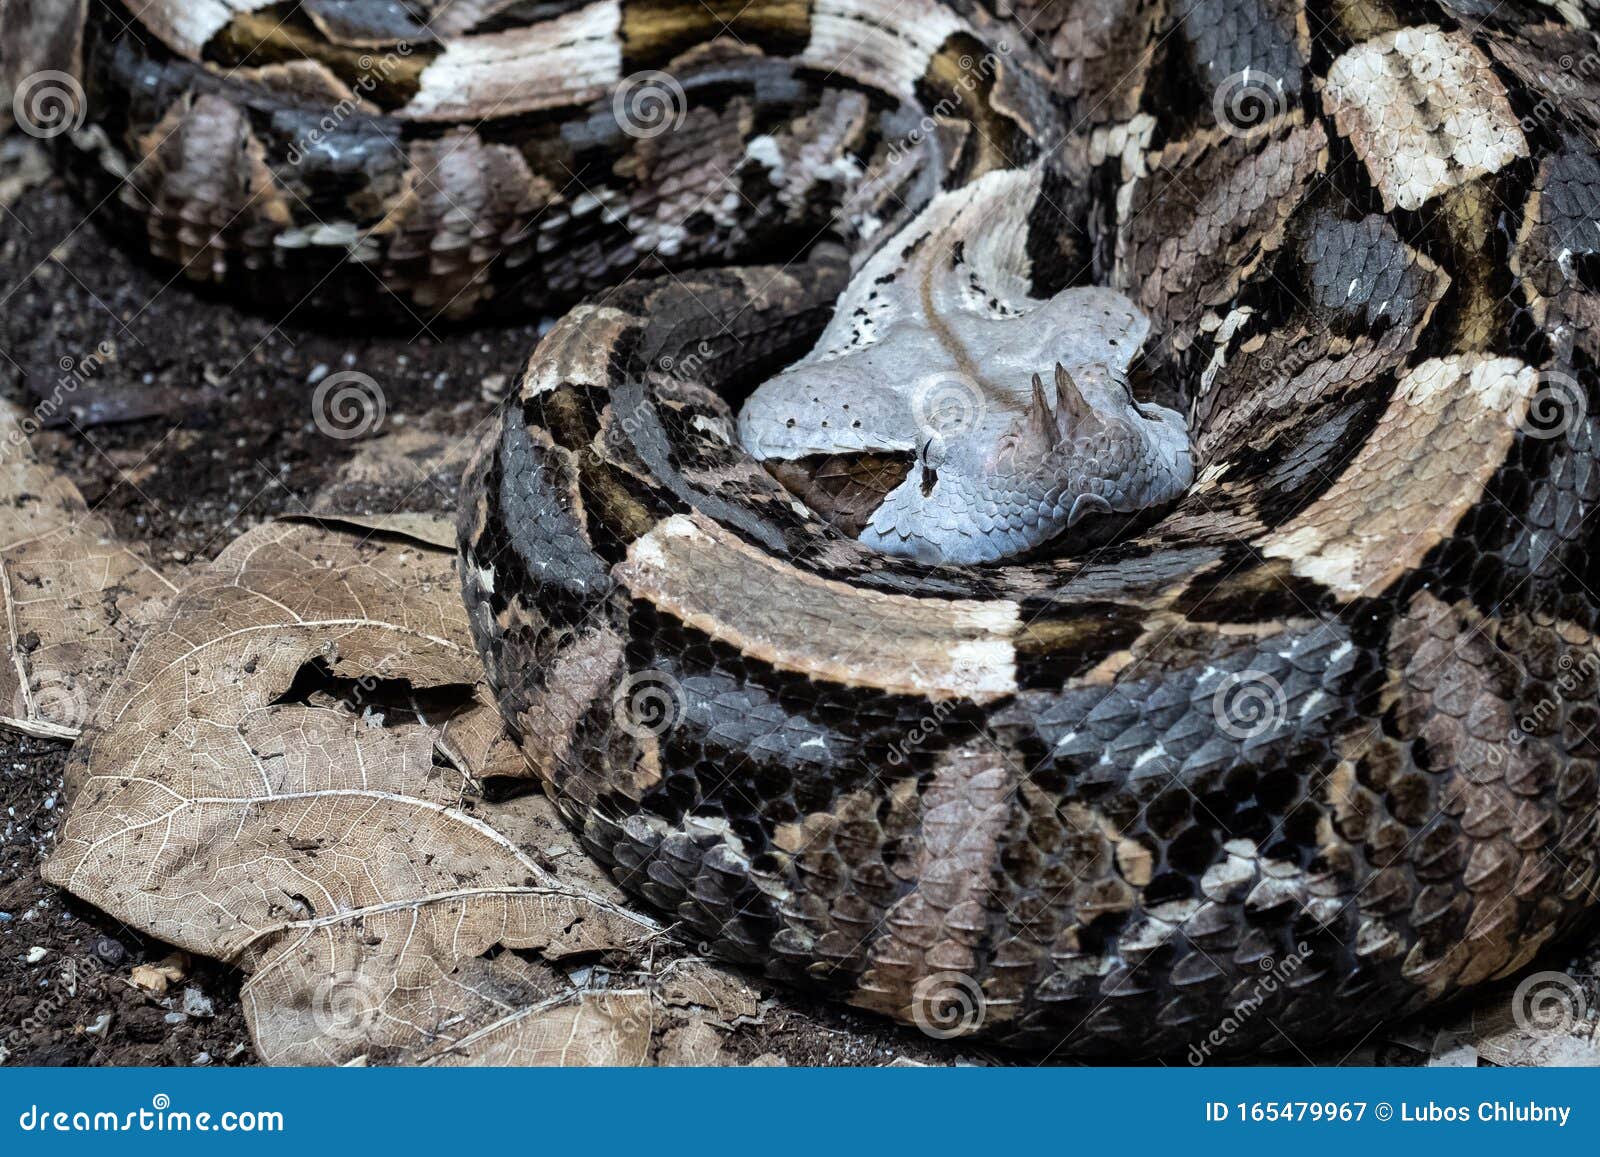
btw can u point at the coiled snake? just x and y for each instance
(1289, 723)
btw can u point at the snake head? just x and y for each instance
(1054, 463)
(938, 352)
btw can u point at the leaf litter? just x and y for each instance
(72, 597)
(273, 782)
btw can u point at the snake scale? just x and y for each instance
(1309, 746)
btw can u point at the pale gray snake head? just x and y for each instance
(1016, 409)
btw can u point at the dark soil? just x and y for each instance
(233, 441)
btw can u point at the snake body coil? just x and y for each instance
(1316, 742)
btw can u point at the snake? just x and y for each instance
(1066, 522)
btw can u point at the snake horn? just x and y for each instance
(1040, 422)
(1072, 408)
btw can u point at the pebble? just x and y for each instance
(36, 954)
(197, 1003)
(99, 1025)
(109, 951)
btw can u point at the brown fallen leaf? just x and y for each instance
(473, 739)
(411, 473)
(72, 597)
(272, 784)
(596, 1029)
(844, 488)
(158, 977)
(1546, 1019)
(698, 1004)
(723, 997)
(416, 464)
(427, 529)
(695, 1044)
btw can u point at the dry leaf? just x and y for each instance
(161, 975)
(694, 984)
(73, 598)
(416, 464)
(426, 529)
(599, 1028)
(475, 739)
(270, 784)
(1499, 1039)
(411, 473)
(695, 1044)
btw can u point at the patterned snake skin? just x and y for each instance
(1312, 748)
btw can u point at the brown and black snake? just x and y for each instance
(1315, 737)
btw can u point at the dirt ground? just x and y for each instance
(197, 429)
